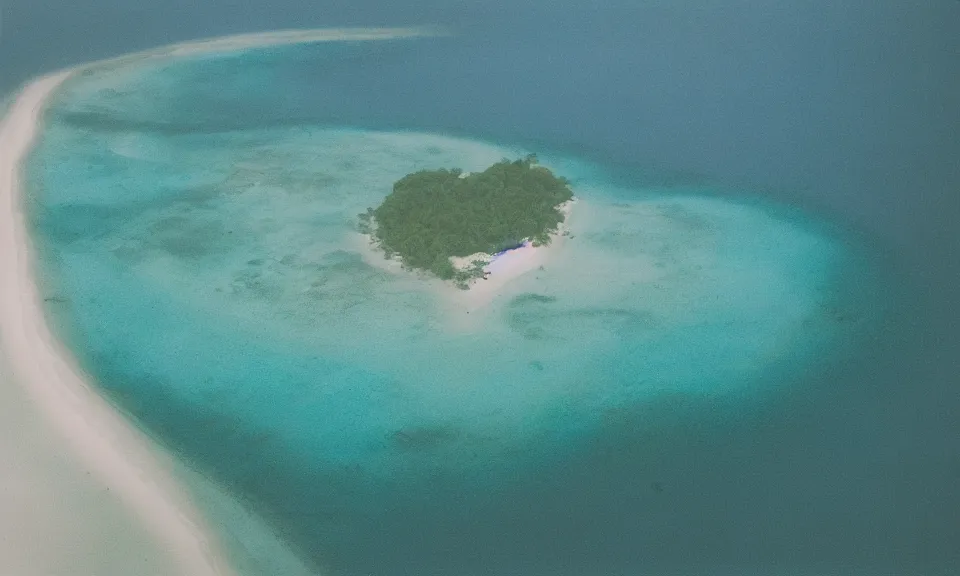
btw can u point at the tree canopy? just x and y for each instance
(433, 215)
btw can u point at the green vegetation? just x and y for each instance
(433, 215)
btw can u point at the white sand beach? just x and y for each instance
(508, 267)
(121, 456)
(84, 489)
(55, 516)
(239, 42)
(503, 270)
(280, 37)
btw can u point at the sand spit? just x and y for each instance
(240, 42)
(281, 37)
(112, 448)
(126, 460)
(511, 265)
(55, 516)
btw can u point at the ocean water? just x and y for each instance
(630, 408)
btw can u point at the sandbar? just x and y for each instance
(123, 458)
(119, 453)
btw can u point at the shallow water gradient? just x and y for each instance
(196, 224)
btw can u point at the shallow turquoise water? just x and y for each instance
(196, 225)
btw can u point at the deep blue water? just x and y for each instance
(846, 464)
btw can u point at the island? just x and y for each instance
(453, 224)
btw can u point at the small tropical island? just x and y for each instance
(453, 224)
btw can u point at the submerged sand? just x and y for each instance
(140, 474)
(84, 489)
(116, 452)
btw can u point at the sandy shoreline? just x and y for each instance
(507, 268)
(120, 454)
(281, 37)
(55, 516)
(503, 270)
(126, 460)
(239, 42)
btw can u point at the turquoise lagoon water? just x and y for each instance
(196, 223)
